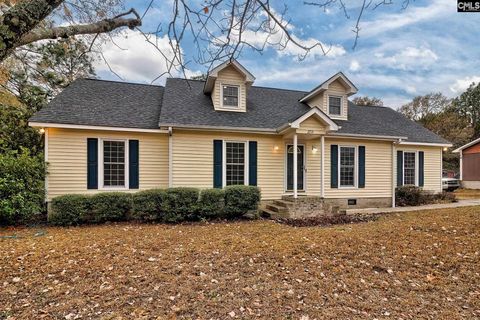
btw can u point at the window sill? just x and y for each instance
(232, 109)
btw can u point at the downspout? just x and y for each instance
(441, 170)
(394, 151)
(170, 157)
(322, 164)
(461, 166)
(45, 159)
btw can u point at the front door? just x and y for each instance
(300, 166)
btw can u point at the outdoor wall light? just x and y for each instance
(314, 149)
(445, 149)
(275, 148)
(42, 131)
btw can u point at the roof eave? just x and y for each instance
(471, 143)
(324, 86)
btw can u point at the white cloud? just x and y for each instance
(275, 38)
(409, 16)
(134, 59)
(354, 66)
(411, 89)
(410, 57)
(461, 85)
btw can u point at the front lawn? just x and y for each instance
(422, 264)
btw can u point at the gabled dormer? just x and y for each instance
(332, 96)
(228, 85)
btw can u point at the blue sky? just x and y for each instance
(401, 53)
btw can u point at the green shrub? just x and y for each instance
(240, 199)
(110, 206)
(22, 191)
(180, 204)
(211, 203)
(148, 204)
(69, 210)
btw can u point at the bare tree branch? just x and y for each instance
(103, 26)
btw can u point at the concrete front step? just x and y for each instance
(282, 203)
(267, 213)
(276, 208)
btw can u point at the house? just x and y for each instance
(105, 135)
(470, 164)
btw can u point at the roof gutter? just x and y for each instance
(428, 144)
(365, 136)
(85, 127)
(219, 128)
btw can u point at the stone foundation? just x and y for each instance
(361, 203)
(311, 206)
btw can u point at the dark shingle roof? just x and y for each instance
(105, 103)
(185, 103)
(182, 102)
(385, 121)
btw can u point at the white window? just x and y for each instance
(230, 96)
(113, 164)
(235, 168)
(347, 163)
(335, 105)
(409, 168)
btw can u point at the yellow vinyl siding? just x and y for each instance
(230, 76)
(319, 102)
(314, 124)
(67, 159)
(378, 169)
(432, 166)
(336, 88)
(193, 160)
(313, 167)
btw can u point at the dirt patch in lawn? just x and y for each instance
(413, 265)
(467, 194)
(327, 220)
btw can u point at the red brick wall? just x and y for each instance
(471, 167)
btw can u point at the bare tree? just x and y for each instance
(368, 101)
(219, 29)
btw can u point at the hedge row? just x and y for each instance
(164, 205)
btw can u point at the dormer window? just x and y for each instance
(335, 105)
(230, 96)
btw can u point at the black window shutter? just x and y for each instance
(217, 163)
(361, 166)
(421, 170)
(334, 166)
(252, 163)
(92, 163)
(399, 168)
(133, 164)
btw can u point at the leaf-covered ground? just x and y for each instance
(411, 265)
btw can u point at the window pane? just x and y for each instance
(230, 96)
(347, 166)
(113, 163)
(235, 163)
(409, 168)
(334, 105)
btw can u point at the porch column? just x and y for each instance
(322, 166)
(295, 167)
